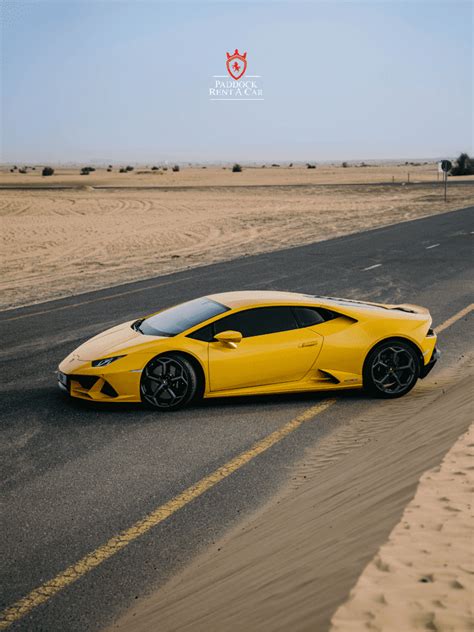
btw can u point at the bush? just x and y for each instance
(310, 166)
(165, 168)
(109, 169)
(236, 168)
(291, 164)
(47, 171)
(275, 165)
(22, 170)
(128, 168)
(122, 170)
(345, 165)
(85, 171)
(464, 166)
(154, 168)
(175, 168)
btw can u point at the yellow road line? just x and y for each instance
(453, 319)
(74, 572)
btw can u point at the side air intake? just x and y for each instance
(325, 376)
(109, 390)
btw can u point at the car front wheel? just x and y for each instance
(168, 382)
(391, 369)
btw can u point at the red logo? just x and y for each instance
(236, 64)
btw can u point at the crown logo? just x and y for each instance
(236, 54)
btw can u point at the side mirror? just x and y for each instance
(229, 338)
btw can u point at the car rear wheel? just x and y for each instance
(391, 369)
(168, 382)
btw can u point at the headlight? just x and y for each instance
(105, 361)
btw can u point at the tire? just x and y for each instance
(391, 369)
(168, 382)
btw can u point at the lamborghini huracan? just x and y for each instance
(254, 342)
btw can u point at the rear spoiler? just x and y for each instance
(409, 308)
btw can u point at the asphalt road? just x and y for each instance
(73, 475)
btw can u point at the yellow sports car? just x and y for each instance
(249, 343)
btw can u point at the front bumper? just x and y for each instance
(431, 362)
(114, 388)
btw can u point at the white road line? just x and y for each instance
(377, 265)
(432, 246)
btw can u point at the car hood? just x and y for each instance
(112, 342)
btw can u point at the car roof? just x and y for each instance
(351, 307)
(246, 298)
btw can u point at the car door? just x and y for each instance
(273, 349)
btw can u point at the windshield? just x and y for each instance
(175, 320)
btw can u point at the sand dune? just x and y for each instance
(58, 243)
(423, 578)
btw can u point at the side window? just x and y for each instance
(206, 334)
(309, 316)
(258, 321)
(265, 320)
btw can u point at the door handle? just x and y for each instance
(309, 343)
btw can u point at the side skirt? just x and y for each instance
(293, 387)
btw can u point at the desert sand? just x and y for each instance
(423, 577)
(290, 566)
(222, 175)
(68, 234)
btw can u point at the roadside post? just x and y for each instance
(445, 166)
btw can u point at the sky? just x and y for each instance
(128, 80)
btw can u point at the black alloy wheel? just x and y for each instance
(168, 382)
(391, 369)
